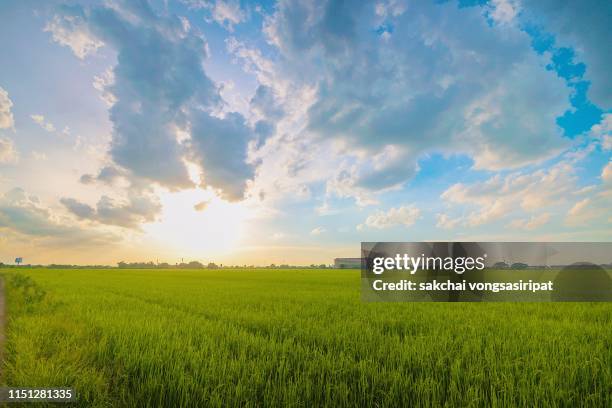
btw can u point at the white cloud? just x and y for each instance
(278, 236)
(606, 142)
(606, 174)
(102, 83)
(45, 124)
(344, 184)
(525, 194)
(39, 156)
(228, 13)
(446, 222)
(586, 190)
(586, 211)
(8, 151)
(591, 211)
(6, 116)
(504, 11)
(501, 196)
(602, 131)
(579, 207)
(69, 29)
(531, 223)
(317, 231)
(201, 206)
(405, 215)
(390, 8)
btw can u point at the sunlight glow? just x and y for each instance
(198, 225)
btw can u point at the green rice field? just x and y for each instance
(293, 338)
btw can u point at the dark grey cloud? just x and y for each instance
(220, 144)
(23, 214)
(136, 210)
(265, 103)
(269, 110)
(79, 209)
(390, 175)
(160, 87)
(157, 75)
(107, 175)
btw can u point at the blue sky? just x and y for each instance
(289, 132)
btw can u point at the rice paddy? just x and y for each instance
(261, 337)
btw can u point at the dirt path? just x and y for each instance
(2, 327)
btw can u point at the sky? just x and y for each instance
(245, 132)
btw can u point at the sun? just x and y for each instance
(198, 225)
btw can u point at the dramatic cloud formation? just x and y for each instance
(219, 145)
(436, 78)
(159, 90)
(492, 118)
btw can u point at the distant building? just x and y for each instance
(347, 263)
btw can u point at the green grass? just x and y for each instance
(294, 338)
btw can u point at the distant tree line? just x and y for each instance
(210, 265)
(55, 266)
(516, 265)
(165, 265)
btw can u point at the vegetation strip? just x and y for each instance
(2, 328)
(294, 337)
